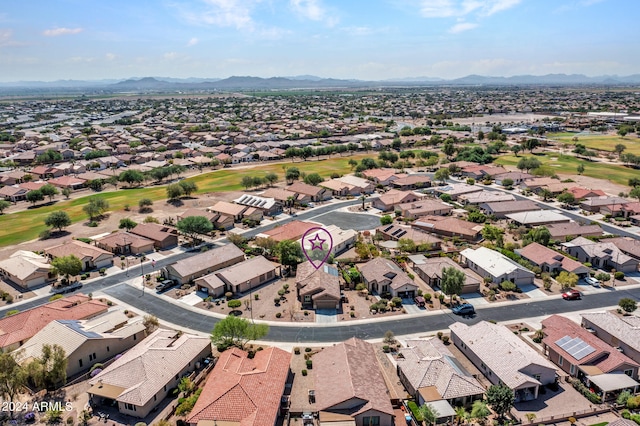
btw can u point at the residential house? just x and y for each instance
(142, 377)
(70, 182)
(228, 209)
(318, 288)
(362, 186)
(449, 227)
(424, 207)
(293, 231)
(551, 261)
(535, 184)
(602, 254)
(259, 382)
(501, 209)
(124, 243)
(248, 274)
(411, 182)
(389, 200)
(430, 270)
(26, 269)
(431, 373)
(285, 197)
(581, 193)
(212, 217)
(268, 206)
(537, 218)
(341, 239)
(339, 188)
(581, 354)
(623, 333)
(490, 263)
(163, 236)
(92, 257)
(384, 177)
(568, 231)
(489, 346)
(13, 193)
(516, 177)
(86, 342)
(631, 209)
(314, 193)
(596, 204)
(360, 396)
(186, 270)
(629, 246)
(455, 190)
(485, 196)
(16, 329)
(395, 232)
(383, 276)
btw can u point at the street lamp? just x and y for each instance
(250, 300)
(142, 273)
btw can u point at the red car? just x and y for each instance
(571, 295)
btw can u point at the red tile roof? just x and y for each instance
(290, 231)
(243, 390)
(23, 325)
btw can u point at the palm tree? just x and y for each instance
(363, 197)
(461, 415)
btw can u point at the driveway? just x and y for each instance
(326, 316)
(533, 291)
(411, 308)
(476, 299)
(346, 220)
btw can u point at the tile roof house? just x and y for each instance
(360, 395)
(550, 260)
(17, 328)
(360, 184)
(243, 391)
(503, 208)
(120, 243)
(579, 353)
(394, 232)
(424, 207)
(382, 177)
(143, 376)
(430, 372)
(580, 192)
(619, 332)
(383, 276)
(26, 269)
(193, 267)
(13, 193)
(70, 182)
(86, 342)
(414, 181)
(268, 206)
(318, 288)
(315, 193)
(162, 236)
(430, 270)
(629, 246)
(391, 199)
(449, 227)
(92, 257)
(454, 190)
(601, 254)
(504, 358)
(595, 204)
(248, 274)
(490, 263)
(485, 197)
(293, 231)
(228, 209)
(562, 231)
(342, 239)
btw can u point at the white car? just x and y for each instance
(592, 281)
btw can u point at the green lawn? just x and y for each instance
(600, 142)
(28, 224)
(556, 163)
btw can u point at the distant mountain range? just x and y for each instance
(147, 84)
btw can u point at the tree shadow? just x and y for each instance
(176, 202)
(59, 234)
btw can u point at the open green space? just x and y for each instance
(28, 224)
(599, 142)
(555, 163)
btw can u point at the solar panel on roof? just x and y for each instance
(575, 347)
(263, 203)
(402, 233)
(387, 228)
(562, 341)
(397, 231)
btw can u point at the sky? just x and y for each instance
(50, 40)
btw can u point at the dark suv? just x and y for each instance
(464, 309)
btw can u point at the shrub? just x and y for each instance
(296, 351)
(386, 349)
(445, 340)
(619, 275)
(307, 349)
(103, 271)
(309, 364)
(278, 314)
(304, 372)
(414, 410)
(580, 387)
(233, 304)
(427, 297)
(352, 314)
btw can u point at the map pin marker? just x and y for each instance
(316, 246)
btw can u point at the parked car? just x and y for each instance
(592, 281)
(464, 309)
(164, 286)
(419, 300)
(571, 295)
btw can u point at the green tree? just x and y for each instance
(58, 219)
(4, 204)
(289, 253)
(258, 181)
(500, 398)
(188, 187)
(635, 193)
(507, 183)
(150, 323)
(144, 205)
(95, 207)
(493, 234)
(461, 414)
(12, 376)
(174, 191)
(67, 265)
(628, 304)
(428, 414)
(292, 174)
(634, 182)
(34, 196)
(386, 220)
(480, 411)
(236, 331)
(567, 279)
(234, 304)
(50, 368)
(580, 168)
(193, 226)
(313, 179)
(452, 281)
(127, 223)
(131, 177)
(442, 175)
(186, 386)
(528, 163)
(271, 177)
(49, 190)
(247, 182)
(66, 192)
(545, 194)
(603, 277)
(508, 286)
(566, 198)
(540, 235)
(516, 149)
(406, 245)
(352, 163)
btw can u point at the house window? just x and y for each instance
(307, 298)
(371, 421)
(165, 388)
(135, 337)
(537, 377)
(628, 373)
(385, 288)
(107, 348)
(572, 369)
(129, 407)
(80, 362)
(560, 360)
(155, 398)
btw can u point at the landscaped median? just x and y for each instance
(28, 224)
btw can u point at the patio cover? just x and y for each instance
(613, 381)
(443, 408)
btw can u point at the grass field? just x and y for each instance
(556, 163)
(600, 142)
(28, 224)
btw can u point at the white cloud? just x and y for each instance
(193, 42)
(110, 56)
(54, 32)
(461, 27)
(224, 13)
(314, 11)
(461, 8)
(170, 56)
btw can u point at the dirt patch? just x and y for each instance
(594, 183)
